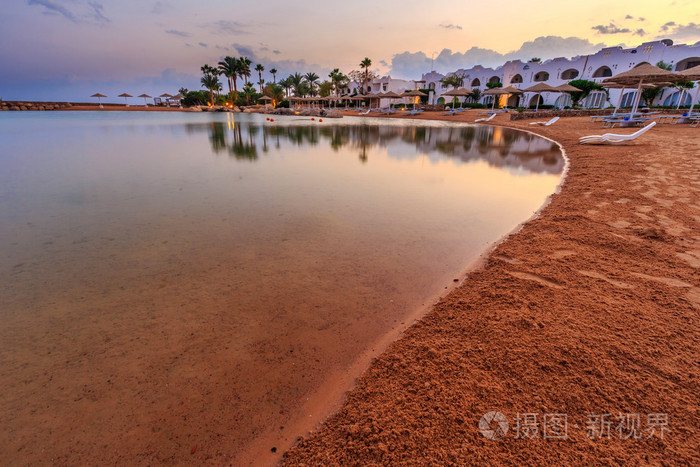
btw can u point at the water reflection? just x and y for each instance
(500, 147)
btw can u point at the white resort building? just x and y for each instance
(596, 67)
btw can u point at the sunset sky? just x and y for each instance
(69, 49)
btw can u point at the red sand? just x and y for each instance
(591, 308)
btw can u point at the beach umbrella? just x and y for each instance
(622, 92)
(495, 92)
(99, 98)
(692, 74)
(566, 87)
(391, 95)
(539, 88)
(125, 96)
(414, 93)
(178, 98)
(145, 96)
(643, 74)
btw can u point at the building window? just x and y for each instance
(602, 72)
(541, 76)
(570, 74)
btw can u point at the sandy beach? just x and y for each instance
(590, 310)
(592, 307)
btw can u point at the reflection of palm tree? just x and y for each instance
(240, 149)
(217, 136)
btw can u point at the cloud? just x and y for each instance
(276, 52)
(97, 12)
(284, 67)
(160, 8)
(640, 32)
(629, 17)
(175, 32)
(91, 11)
(202, 44)
(641, 19)
(411, 65)
(54, 8)
(451, 26)
(227, 27)
(610, 29)
(690, 31)
(668, 26)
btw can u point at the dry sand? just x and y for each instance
(591, 308)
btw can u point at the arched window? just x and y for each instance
(563, 100)
(541, 76)
(687, 63)
(476, 83)
(596, 99)
(516, 79)
(431, 86)
(602, 72)
(570, 74)
(494, 79)
(628, 99)
(672, 100)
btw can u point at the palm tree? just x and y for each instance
(338, 79)
(248, 90)
(312, 79)
(286, 83)
(244, 71)
(229, 68)
(211, 82)
(296, 81)
(273, 72)
(366, 63)
(259, 68)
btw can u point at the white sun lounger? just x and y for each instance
(485, 119)
(545, 123)
(612, 138)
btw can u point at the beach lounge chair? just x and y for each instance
(415, 112)
(485, 119)
(612, 138)
(365, 113)
(545, 123)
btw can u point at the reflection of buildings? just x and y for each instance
(499, 147)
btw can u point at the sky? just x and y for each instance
(70, 49)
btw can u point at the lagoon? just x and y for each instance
(181, 279)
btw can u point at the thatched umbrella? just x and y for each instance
(125, 96)
(457, 93)
(513, 90)
(622, 92)
(145, 96)
(391, 95)
(414, 93)
(692, 74)
(539, 88)
(641, 74)
(99, 98)
(178, 98)
(495, 92)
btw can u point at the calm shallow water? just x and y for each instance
(178, 279)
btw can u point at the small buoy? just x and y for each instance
(272, 119)
(313, 118)
(320, 119)
(267, 118)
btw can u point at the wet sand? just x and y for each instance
(592, 308)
